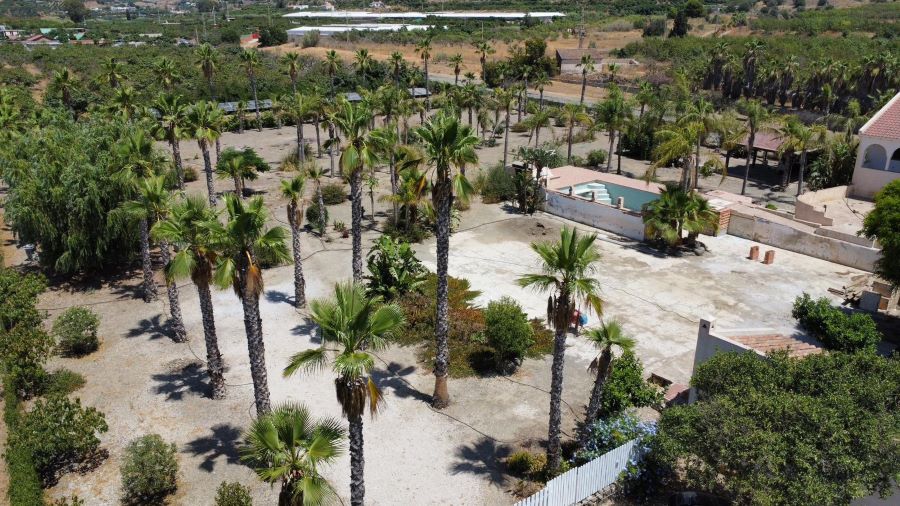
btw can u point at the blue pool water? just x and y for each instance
(608, 193)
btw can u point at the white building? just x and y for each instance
(878, 158)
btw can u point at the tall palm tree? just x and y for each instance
(65, 82)
(483, 49)
(250, 60)
(645, 95)
(756, 115)
(387, 140)
(396, 63)
(112, 73)
(568, 275)
(540, 119)
(242, 243)
(799, 138)
(292, 189)
(204, 123)
(605, 338)
(353, 325)
(235, 169)
(456, 61)
(423, 49)
(152, 206)
(541, 81)
(676, 142)
(300, 107)
(587, 67)
(359, 153)
(124, 102)
(291, 63)
(172, 120)
(167, 72)
(701, 112)
(288, 446)
(571, 116)
(732, 132)
(448, 144)
(364, 64)
(504, 98)
(332, 66)
(316, 174)
(207, 59)
(614, 113)
(187, 228)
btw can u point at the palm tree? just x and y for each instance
(732, 133)
(316, 173)
(352, 325)
(448, 143)
(606, 337)
(236, 169)
(387, 140)
(797, 137)
(456, 61)
(614, 113)
(112, 73)
(504, 98)
(701, 112)
(364, 64)
(678, 209)
(207, 58)
(359, 153)
(300, 107)
(332, 66)
(242, 243)
(291, 62)
(572, 115)
(288, 446)
(152, 206)
(587, 67)
(292, 189)
(541, 81)
(756, 116)
(423, 49)
(676, 142)
(250, 59)
(568, 269)
(396, 62)
(65, 82)
(317, 110)
(483, 49)
(204, 123)
(167, 72)
(172, 121)
(540, 119)
(645, 95)
(187, 228)
(124, 102)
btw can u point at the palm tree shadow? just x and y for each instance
(308, 329)
(181, 380)
(221, 442)
(153, 327)
(483, 457)
(278, 297)
(393, 379)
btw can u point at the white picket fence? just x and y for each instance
(576, 485)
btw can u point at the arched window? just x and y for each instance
(894, 164)
(875, 157)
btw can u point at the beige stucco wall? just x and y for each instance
(809, 205)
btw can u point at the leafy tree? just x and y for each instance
(883, 223)
(626, 387)
(18, 298)
(356, 324)
(393, 269)
(508, 332)
(293, 189)
(75, 9)
(836, 329)
(569, 266)
(76, 331)
(149, 471)
(605, 338)
(232, 493)
(680, 27)
(24, 350)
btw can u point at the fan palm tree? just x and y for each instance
(242, 243)
(645, 95)
(676, 142)
(456, 61)
(187, 228)
(605, 338)
(679, 209)
(234, 168)
(701, 112)
(448, 144)
(65, 82)
(332, 66)
(300, 107)
(571, 116)
(359, 153)
(756, 116)
(541, 81)
(799, 138)
(152, 207)
(291, 63)
(207, 59)
(732, 132)
(568, 275)
(250, 60)
(316, 174)
(483, 49)
(172, 120)
(364, 64)
(387, 140)
(587, 67)
(539, 119)
(504, 98)
(423, 49)
(112, 73)
(396, 63)
(288, 446)
(614, 112)
(292, 189)
(240, 110)
(124, 102)
(204, 123)
(167, 72)
(353, 325)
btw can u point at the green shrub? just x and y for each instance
(25, 350)
(333, 193)
(232, 493)
(59, 432)
(312, 215)
(832, 326)
(63, 382)
(393, 269)
(18, 297)
(527, 465)
(190, 174)
(626, 387)
(498, 185)
(310, 39)
(76, 331)
(519, 128)
(508, 332)
(68, 501)
(24, 482)
(150, 470)
(596, 157)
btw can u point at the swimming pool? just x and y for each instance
(609, 193)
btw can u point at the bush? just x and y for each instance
(626, 387)
(63, 382)
(232, 493)
(655, 27)
(272, 36)
(311, 39)
(527, 465)
(333, 193)
(59, 433)
(150, 470)
(596, 157)
(508, 332)
(837, 330)
(312, 215)
(76, 331)
(24, 482)
(190, 174)
(25, 350)
(393, 269)
(497, 185)
(608, 434)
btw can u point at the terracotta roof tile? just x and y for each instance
(886, 122)
(796, 346)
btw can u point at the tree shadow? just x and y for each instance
(182, 379)
(221, 442)
(483, 458)
(153, 327)
(309, 328)
(279, 297)
(393, 379)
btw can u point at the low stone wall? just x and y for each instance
(619, 221)
(809, 206)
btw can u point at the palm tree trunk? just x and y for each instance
(357, 461)
(149, 286)
(214, 364)
(331, 147)
(541, 102)
(299, 280)
(583, 86)
(356, 218)
(750, 140)
(569, 138)
(179, 334)
(318, 139)
(554, 452)
(207, 168)
(238, 188)
(506, 139)
(394, 186)
(593, 409)
(301, 155)
(321, 201)
(612, 140)
(427, 94)
(256, 103)
(618, 152)
(441, 396)
(256, 349)
(176, 157)
(802, 170)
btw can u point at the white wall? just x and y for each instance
(619, 221)
(709, 344)
(867, 181)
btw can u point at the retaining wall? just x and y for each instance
(595, 214)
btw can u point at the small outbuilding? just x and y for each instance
(568, 60)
